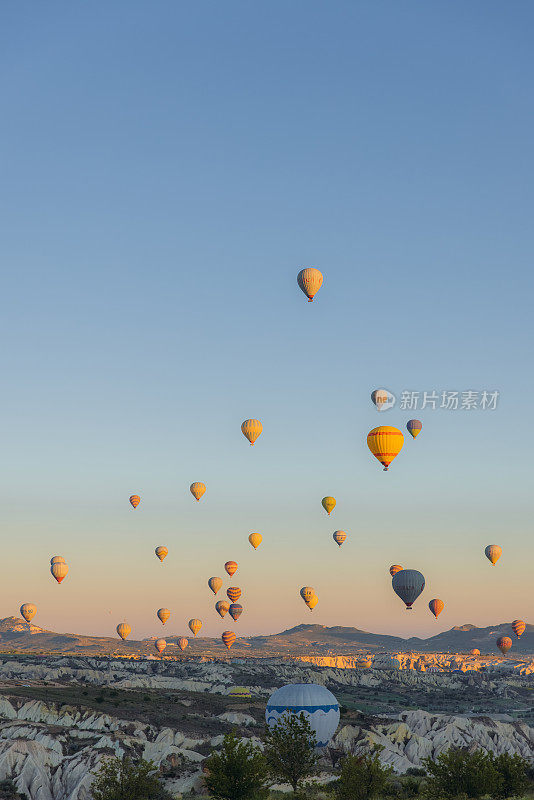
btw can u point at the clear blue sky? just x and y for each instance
(166, 169)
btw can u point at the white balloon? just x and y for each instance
(318, 705)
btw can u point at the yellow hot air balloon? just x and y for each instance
(493, 553)
(215, 584)
(394, 569)
(312, 602)
(385, 443)
(436, 607)
(194, 626)
(182, 643)
(163, 615)
(518, 627)
(160, 645)
(161, 552)
(28, 611)
(339, 537)
(135, 500)
(222, 607)
(251, 429)
(231, 567)
(124, 630)
(59, 570)
(328, 503)
(310, 281)
(255, 540)
(228, 638)
(307, 593)
(197, 490)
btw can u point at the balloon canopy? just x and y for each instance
(318, 705)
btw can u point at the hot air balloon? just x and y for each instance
(251, 429)
(504, 643)
(228, 638)
(182, 643)
(394, 569)
(163, 615)
(161, 552)
(235, 611)
(318, 705)
(380, 398)
(474, 652)
(339, 537)
(306, 593)
(312, 602)
(493, 553)
(160, 645)
(135, 500)
(328, 503)
(215, 584)
(57, 560)
(518, 627)
(408, 585)
(436, 607)
(234, 593)
(255, 540)
(230, 567)
(197, 490)
(414, 426)
(194, 626)
(28, 611)
(310, 281)
(385, 443)
(59, 570)
(222, 607)
(124, 630)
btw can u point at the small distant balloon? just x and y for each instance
(197, 490)
(493, 553)
(222, 607)
(135, 500)
(385, 443)
(436, 607)
(215, 584)
(28, 611)
(59, 570)
(255, 540)
(234, 593)
(518, 627)
(504, 643)
(194, 626)
(328, 503)
(160, 645)
(394, 569)
(235, 611)
(474, 652)
(339, 537)
(228, 638)
(161, 552)
(124, 630)
(163, 615)
(251, 428)
(231, 567)
(182, 643)
(310, 281)
(414, 427)
(408, 585)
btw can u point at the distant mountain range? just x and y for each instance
(17, 635)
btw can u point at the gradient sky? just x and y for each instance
(166, 169)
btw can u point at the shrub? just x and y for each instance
(461, 773)
(290, 750)
(123, 780)
(362, 778)
(237, 772)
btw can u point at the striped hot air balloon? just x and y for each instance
(394, 569)
(161, 552)
(255, 540)
(414, 427)
(59, 570)
(234, 593)
(197, 490)
(504, 643)
(436, 607)
(310, 281)
(328, 503)
(339, 537)
(194, 626)
(135, 500)
(124, 630)
(228, 638)
(231, 567)
(235, 611)
(29, 610)
(222, 607)
(215, 584)
(160, 645)
(251, 428)
(163, 615)
(493, 553)
(385, 443)
(182, 643)
(408, 585)
(518, 627)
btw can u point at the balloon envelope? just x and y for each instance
(504, 644)
(194, 626)
(215, 584)
(436, 607)
(222, 607)
(160, 645)
(234, 593)
(197, 490)
(414, 427)
(228, 638)
(161, 552)
(231, 567)
(310, 281)
(318, 705)
(59, 570)
(135, 500)
(163, 614)
(235, 611)
(328, 503)
(339, 537)
(123, 629)
(518, 627)
(251, 429)
(394, 569)
(182, 643)
(408, 585)
(385, 443)
(493, 553)
(28, 611)
(307, 593)
(255, 540)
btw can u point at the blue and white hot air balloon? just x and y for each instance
(318, 705)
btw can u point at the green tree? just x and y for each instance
(458, 772)
(362, 778)
(290, 750)
(121, 779)
(514, 772)
(236, 772)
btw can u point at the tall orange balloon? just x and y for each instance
(197, 490)
(493, 553)
(385, 443)
(161, 552)
(234, 593)
(518, 627)
(255, 540)
(251, 429)
(124, 630)
(231, 567)
(436, 607)
(135, 500)
(310, 281)
(228, 638)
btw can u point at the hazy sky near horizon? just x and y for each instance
(166, 170)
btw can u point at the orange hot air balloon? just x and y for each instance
(504, 644)
(228, 638)
(234, 593)
(312, 602)
(59, 570)
(328, 503)
(394, 569)
(306, 593)
(436, 607)
(197, 490)
(255, 540)
(385, 443)
(29, 610)
(474, 652)
(135, 500)
(161, 552)
(230, 567)
(222, 607)
(215, 584)
(493, 553)
(310, 281)
(194, 626)
(160, 645)
(251, 429)
(124, 630)
(163, 615)
(182, 643)
(518, 627)
(339, 537)
(235, 611)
